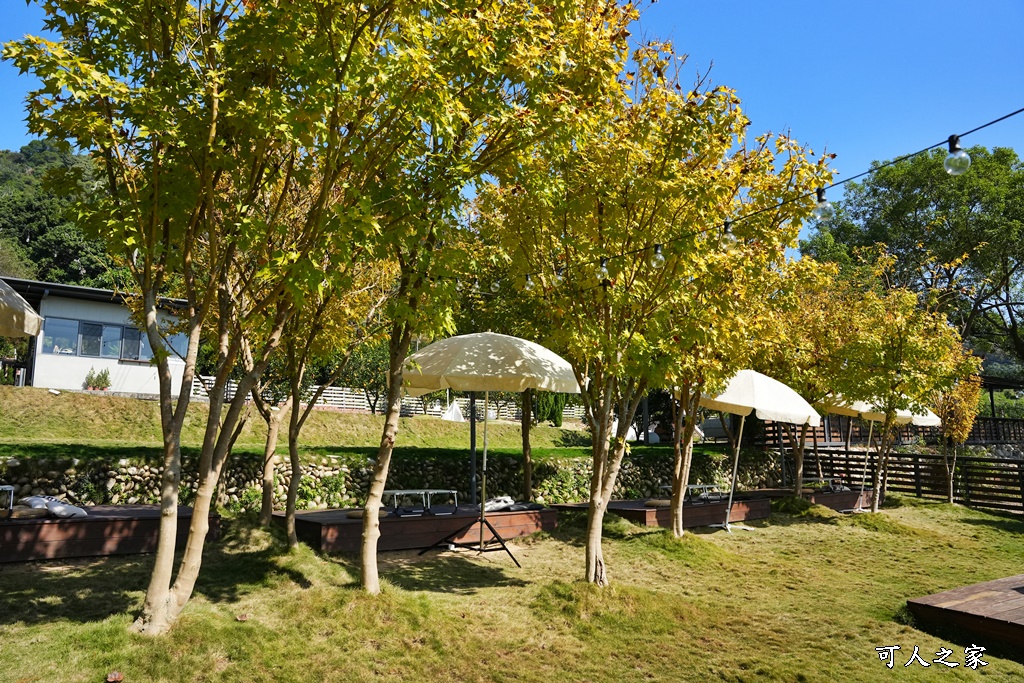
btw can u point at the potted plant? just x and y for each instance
(90, 379)
(102, 379)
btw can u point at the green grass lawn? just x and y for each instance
(802, 598)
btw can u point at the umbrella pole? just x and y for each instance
(864, 472)
(472, 447)
(735, 472)
(483, 477)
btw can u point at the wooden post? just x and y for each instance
(917, 474)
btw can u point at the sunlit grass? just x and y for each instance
(803, 597)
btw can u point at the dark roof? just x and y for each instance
(988, 382)
(34, 292)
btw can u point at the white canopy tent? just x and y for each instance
(486, 361)
(749, 391)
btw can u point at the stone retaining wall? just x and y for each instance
(343, 481)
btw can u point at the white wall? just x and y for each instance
(60, 371)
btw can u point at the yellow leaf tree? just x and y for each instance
(610, 227)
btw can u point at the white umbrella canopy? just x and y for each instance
(749, 391)
(17, 318)
(487, 361)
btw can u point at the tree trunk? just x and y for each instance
(400, 339)
(293, 493)
(269, 460)
(607, 460)
(798, 458)
(597, 573)
(527, 422)
(882, 459)
(156, 618)
(682, 443)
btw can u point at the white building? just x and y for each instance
(91, 329)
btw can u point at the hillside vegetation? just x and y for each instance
(29, 415)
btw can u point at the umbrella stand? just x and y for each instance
(864, 472)
(482, 547)
(732, 489)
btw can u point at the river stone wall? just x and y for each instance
(343, 481)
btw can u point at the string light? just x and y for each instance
(529, 286)
(602, 270)
(657, 258)
(559, 275)
(823, 210)
(958, 161)
(495, 286)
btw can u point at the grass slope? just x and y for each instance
(32, 415)
(805, 597)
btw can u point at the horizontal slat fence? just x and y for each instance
(833, 433)
(978, 482)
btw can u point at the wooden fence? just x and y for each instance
(833, 433)
(978, 482)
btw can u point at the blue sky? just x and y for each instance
(865, 79)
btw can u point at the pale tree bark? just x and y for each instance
(525, 425)
(683, 428)
(607, 452)
(401, 337)
(950, 469)
(272, 416)
(164, 601)
(882, 461)
(799, 444)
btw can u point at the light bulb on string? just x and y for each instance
(559, 275)
(657, 258)
(476, 285)
(602, 270)
(495, 287)
(958, 161)
(529, 285)
(823, 210)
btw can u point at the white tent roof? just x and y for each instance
(751, 391)
(866, 411)
(487, 361)
(17, 317)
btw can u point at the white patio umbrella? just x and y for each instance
(17, 317)
(750, 391)
(868, 412)
(487, 361)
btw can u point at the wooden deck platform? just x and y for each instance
(992, 610)
(335, 531)
(694, 515)
(836, 500)
(108, 530)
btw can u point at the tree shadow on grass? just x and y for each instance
(81, 590)
(455, 574)
(1008, 525)
(92, 589)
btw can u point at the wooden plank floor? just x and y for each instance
(336, 531)
(694, 515)
(107, 530)
(994, 609)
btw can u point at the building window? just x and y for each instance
(60, 336)
(136, 345)
(100, 340)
